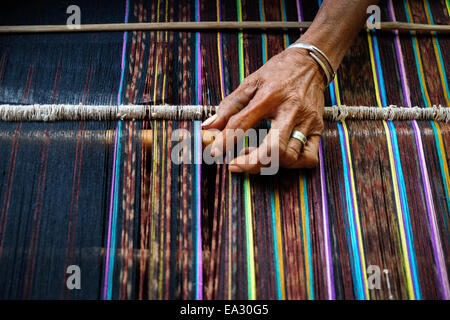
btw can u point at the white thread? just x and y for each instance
(61, 112)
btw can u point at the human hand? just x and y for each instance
(289, 91)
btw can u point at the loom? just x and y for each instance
(87, 180)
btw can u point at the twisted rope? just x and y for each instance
(65, 112)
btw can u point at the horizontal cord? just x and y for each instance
(204, 25)
(66, 112)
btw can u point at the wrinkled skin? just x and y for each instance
(289, 91)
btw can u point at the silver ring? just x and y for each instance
(299, 136)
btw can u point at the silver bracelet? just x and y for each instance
(316, 53)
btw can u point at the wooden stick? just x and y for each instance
(96, 135)
(204, 25)
(147, 137)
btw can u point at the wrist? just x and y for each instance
(322, 43)
(335, 26)
(319, 58)
(307, 66)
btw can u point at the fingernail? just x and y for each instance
(210, 120)
(235, 169)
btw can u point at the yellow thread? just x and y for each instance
(305, 240)
(156, 65)
(374, 72)
(251, 259)
(263, 13)
(154, 162)
(358, 224)
(399, 216)
(336, 90)
(444, 160)
(405, 257)
(162, 225)
(444, 86)
(355, 204)
(283, 18)
(279, 241)
(438, 60)
(248, 204)
(154, 175)
(165, 58)
(218, 53)
(419, 58)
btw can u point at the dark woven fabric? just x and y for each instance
(93, 194)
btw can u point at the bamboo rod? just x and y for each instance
(147, 137)
(205, 25)
(94, 135)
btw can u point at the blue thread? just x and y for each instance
(114, 219)
(435, 39)
(406, 215)
(283, 7)
(398, 168)
(350, 212)
(308, 239)
(275, 242)
(119, 95)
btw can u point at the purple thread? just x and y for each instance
(329, 261)
(330, 276)
(199, 154)
(199, 238)
(425, 178)
(432, 219)
(407, 100)
(299, 12)
(396, 167)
